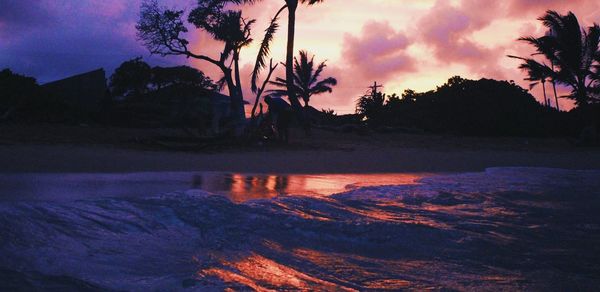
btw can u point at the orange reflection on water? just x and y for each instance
(262, 274)
(368, 273)
(243, 187)
(378, 212)
(310, 214)
(348, 267)
(344, 272)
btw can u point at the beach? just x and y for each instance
(91, 150)
(98, 209)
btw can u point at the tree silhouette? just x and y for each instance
(289, 70)
(471, 107)
(162, 31)
(163, 77)
(259, 91)
(537, 73)
(131, 78)
(306, 79)
(291, 6)
(135, 78)
(572, 52)
(371, 107)
(167, 96)
(261, 58)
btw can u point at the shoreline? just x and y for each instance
(61, 158)
(78, 149)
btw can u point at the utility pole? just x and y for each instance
(374, 88)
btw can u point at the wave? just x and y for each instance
(505, 228)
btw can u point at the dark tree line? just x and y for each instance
(138, 95)
(159, 96)
(23, 99)
(135, 78)
(469, 107)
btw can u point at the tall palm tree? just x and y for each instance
(571, 50)
(289, 71)
(291, 6)
(306, 79)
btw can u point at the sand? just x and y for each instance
(98, 158)
(50, 148)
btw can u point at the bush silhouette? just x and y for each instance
(469, 107)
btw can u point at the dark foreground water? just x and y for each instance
(502, 229)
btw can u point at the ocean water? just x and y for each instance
(501, 229)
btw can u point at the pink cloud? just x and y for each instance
(378, 52)
(538, 7)
(447, 29)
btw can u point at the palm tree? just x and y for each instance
(596, 80)
(571, 50)
(537, 73)
(291, 6)
(306, 79)
(289, 71)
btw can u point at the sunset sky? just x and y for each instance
(415, 44)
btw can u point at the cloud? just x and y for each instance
(15, 14)
(378, 52)
(448, 31)
(416, 43)
(54, 39)
(516, 8)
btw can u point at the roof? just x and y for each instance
(84, 91)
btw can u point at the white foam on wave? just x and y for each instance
(500, 179)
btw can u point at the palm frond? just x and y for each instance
(318, 72)
(306, 78)
(265, 50)
(311, 2)
(324, 85)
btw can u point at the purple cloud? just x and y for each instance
(58, 38)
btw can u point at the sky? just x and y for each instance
(416, 44)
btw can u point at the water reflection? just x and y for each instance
(244, 187)
(263, 274)
(501, 230)
(238, 187)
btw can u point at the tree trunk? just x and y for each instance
(237, 104)
(555, 95)
(554, 87)
(239, 100)
(289, 60)
(262, 89)
(544, 89)
(582, 98)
